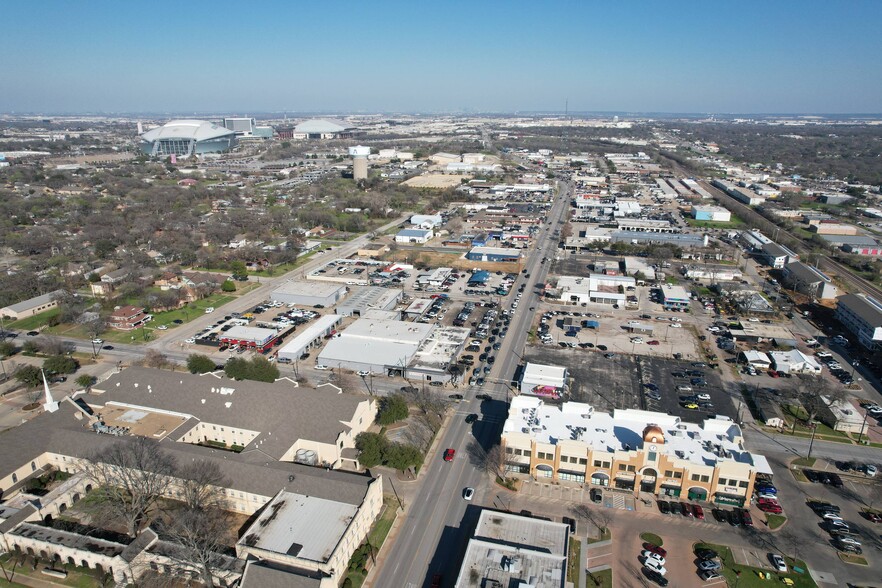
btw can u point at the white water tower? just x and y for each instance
(359, 155)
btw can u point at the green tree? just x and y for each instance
(262, 370)
(228, 286)
(371, 447)
(29, 375)
(85, 380)
(60, 364)
(392, 409)
(30, 347)
(401, 456)
(199, 364)
(8, 349)
(236, 369)
(238, 268)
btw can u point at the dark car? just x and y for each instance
(720, 515)
(746, 519)
(705, 554)
(685, 509)
(664, 507)
(456, 396)
(484, 397)
(734, 519)
(471, 418)
(602, 347)
(596, 495)
(571, 523)
(835, 480)
(32, 333)
(655, 577)
(678, 374)
(811, 476)
(108, 347)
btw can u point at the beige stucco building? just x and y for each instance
(631, 451)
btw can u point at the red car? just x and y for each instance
(698, 511)
(873, 517)
(448, 454)
(774, 374)
(655, 549)
(773, 508)
(436, 581)
(767, 501)
(653, 342)
(746, 519)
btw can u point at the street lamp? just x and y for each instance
(814, 427)
(863, 424)
(854, 365)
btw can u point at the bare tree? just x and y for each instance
(600, 518)
(51, 345)
(131, 475)
(155, 359)
(815, 394)
(491, 460)
(200, 526)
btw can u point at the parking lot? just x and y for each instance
(620, 382)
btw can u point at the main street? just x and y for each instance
(433, 535)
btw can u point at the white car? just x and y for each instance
(209, 310)
(98, 341)
(778, 562)
(703, 396)
(655, 566)
(831, 516)
(870, 470)
(676, 320)
(468, 493)
(191, 340)
(162, 328)
(363, 373)
(652, 555)
(319, 366)
(767, 496)
(676, 326)
(753, 320)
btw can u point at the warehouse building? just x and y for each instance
(794, 361)
(309, 338)
(634, 451)
(493, 254)
(183, 138)
(777, 256)
(309, 293)
(595, 289)
(364, 298)
(862, 315)
(809, 280)
(711, 274)
(711, 213)
(684, 240)
(414, 236)
(427, 221)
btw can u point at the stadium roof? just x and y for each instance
(322, 125)
(200, 130)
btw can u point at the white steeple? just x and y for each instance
(49, 405)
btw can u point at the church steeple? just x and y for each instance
(49, 405)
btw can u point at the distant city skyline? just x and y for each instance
(784, 57)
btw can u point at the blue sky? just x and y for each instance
(624, 55)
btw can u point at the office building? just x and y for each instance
(711, 213)
(809, 280)
(630, 450)
(674, 297)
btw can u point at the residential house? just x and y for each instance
(128, 318)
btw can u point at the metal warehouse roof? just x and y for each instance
(200, 130)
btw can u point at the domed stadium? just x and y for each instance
(187, 137)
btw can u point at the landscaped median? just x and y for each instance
(749, 576)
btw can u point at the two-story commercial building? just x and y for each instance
(631, 451)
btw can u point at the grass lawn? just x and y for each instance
(32, 322)
(804, 461)
(605, 536)
(749, 575)
(574, 560)
(775, 520)
(652, 538)
(853, 559)
(798, 475)
(77, 577)
(377, 535)
(605, 577)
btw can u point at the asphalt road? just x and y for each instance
(439, 521)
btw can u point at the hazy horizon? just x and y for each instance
(678, 58)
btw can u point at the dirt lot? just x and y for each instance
(436, 181)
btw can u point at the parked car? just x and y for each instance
(449, 454)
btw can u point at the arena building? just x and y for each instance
(184, 138)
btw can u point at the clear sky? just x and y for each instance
(713, 56)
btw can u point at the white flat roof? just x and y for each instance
(309, 334)
(311, 288)
(301, 526)
(537, 372)
(256, 334)
(613, 432)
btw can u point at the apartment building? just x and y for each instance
(862, 315)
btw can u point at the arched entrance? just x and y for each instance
(648, 479)
(600, 479)
(544, 471)
(697, 493)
